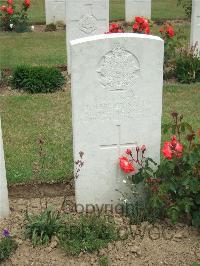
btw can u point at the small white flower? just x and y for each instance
(124, 181)
(11, 26)
(32, 28)
(125, 201)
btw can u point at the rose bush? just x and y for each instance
(141, 25)
(13, 19)
(115, 28)
(173, 187)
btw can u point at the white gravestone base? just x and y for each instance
(4, 205)
(85, 18)
(55, 11)
(117, 84)
(195, 24)
(141, 8)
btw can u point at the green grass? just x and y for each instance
(46, 48)
(25, 118)
(117, 9)
(87, 234)
(167, 9)
(161, 9)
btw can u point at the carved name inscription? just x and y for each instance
(117, 111)
(118, 69)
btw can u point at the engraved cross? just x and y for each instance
(118, 146)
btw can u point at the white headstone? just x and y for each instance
(141, 8)
(85, 18)
(4, 205)
(117, 84)
(195, 24)
(55, 11)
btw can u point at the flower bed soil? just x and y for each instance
(162, 244)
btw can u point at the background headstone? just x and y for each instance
(85, 18)
(117, 84)
(4, 205)
(135, 8)
(195, 24)
(55, 11)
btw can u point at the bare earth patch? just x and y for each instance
(161, 244)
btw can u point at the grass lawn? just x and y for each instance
(161, 9)
(46, 48)
(25, 118)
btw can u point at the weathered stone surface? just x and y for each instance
(135, 8)
(195, 24)
(117, 104)
(4, 205)
(85, 18)
(55, 11)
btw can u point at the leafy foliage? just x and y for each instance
(173, 187)
(178, 189)
(41, 228)
(13, 19)
(88, 233)
(7, 246)
(103, 261)
(51, 27)
(37, 79)
(187, 69)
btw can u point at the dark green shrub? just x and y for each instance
(88, 233)
(41, 228)
(7, 246)
(37, 79)
(187, 69)
(51, 27)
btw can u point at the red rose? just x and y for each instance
(135, 27)
(161, 30)
(10, 10)
(139, 20)
(3, 8)
(145, 24)
(167, 150)
(143, 148)
(10, 2)
(172, 148)
(125, 165)
(128, 151)
(141, 25)
(147, 30)
(27, 3)
(198, 133)
(114, 28)
(176, 145)
(170, 31)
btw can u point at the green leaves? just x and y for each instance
(40, 228)
(37, 79)
(7, 246)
